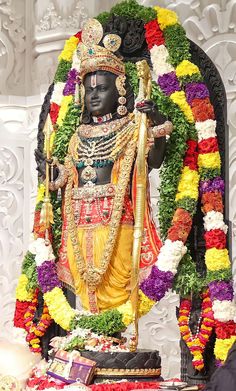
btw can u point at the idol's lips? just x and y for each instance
(95, 102)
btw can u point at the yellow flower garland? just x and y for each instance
(59, 308)
(188, 184)
(209, 160)
(22, 294)
(69, 48)
(40, 193)
(222, 347)
(179, 98)
(217, 259)
(186, 68)
(66, 100)
(166, 17)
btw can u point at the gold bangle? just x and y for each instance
(162, 130)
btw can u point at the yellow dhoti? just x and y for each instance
(114, 289)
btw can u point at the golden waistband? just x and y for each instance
(91, 191)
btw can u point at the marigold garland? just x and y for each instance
(197, 342)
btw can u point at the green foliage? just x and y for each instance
(38, 206)
(171, 168)
(177, 44)
(187, 281)
(129, 9)
(131, 72)
(209, 173)
(219, 275)
(65, 132)
(106, 323)
(62, 71)
(189, 79)
(76, 343)
(192, 133)
(57, 226)
(103, 17)
(29, 269)
(188, 204)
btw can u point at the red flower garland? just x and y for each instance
(20, 310)
(153, 34)
(215, 238)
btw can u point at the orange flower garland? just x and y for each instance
(197, 343)
(35, 331)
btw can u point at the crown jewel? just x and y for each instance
(94, 57)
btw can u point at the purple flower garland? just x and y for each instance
(157, 284)
(211, 185)
(69, 88)
(47, 276)
(221, 290)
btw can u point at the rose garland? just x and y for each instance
(179, 83)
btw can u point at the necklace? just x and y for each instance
(196, 342)
(100, 151)
(103, 118)
(91, 275)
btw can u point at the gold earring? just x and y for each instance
(120, 85)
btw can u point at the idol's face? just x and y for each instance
(101, 95)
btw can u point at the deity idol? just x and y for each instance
(95, 258)
(101, 243)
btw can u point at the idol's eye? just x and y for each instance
(88, 90)
(102, 87)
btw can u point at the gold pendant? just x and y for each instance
(89, 174)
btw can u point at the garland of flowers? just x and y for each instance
(35, 331)
(178, 82)
(196, 343)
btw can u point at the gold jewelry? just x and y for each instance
(99, 151)
(90, 274)
(94, 57)
(103, 129)
(120, 85)
(61, 179)
(112, 42)
(162, 130)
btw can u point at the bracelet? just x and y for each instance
(162, 130)
(62, 176)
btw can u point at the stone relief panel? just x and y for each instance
(12, 47)
(17, 197)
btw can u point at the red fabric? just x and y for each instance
(151, 243)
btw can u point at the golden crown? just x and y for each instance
(94, 57)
